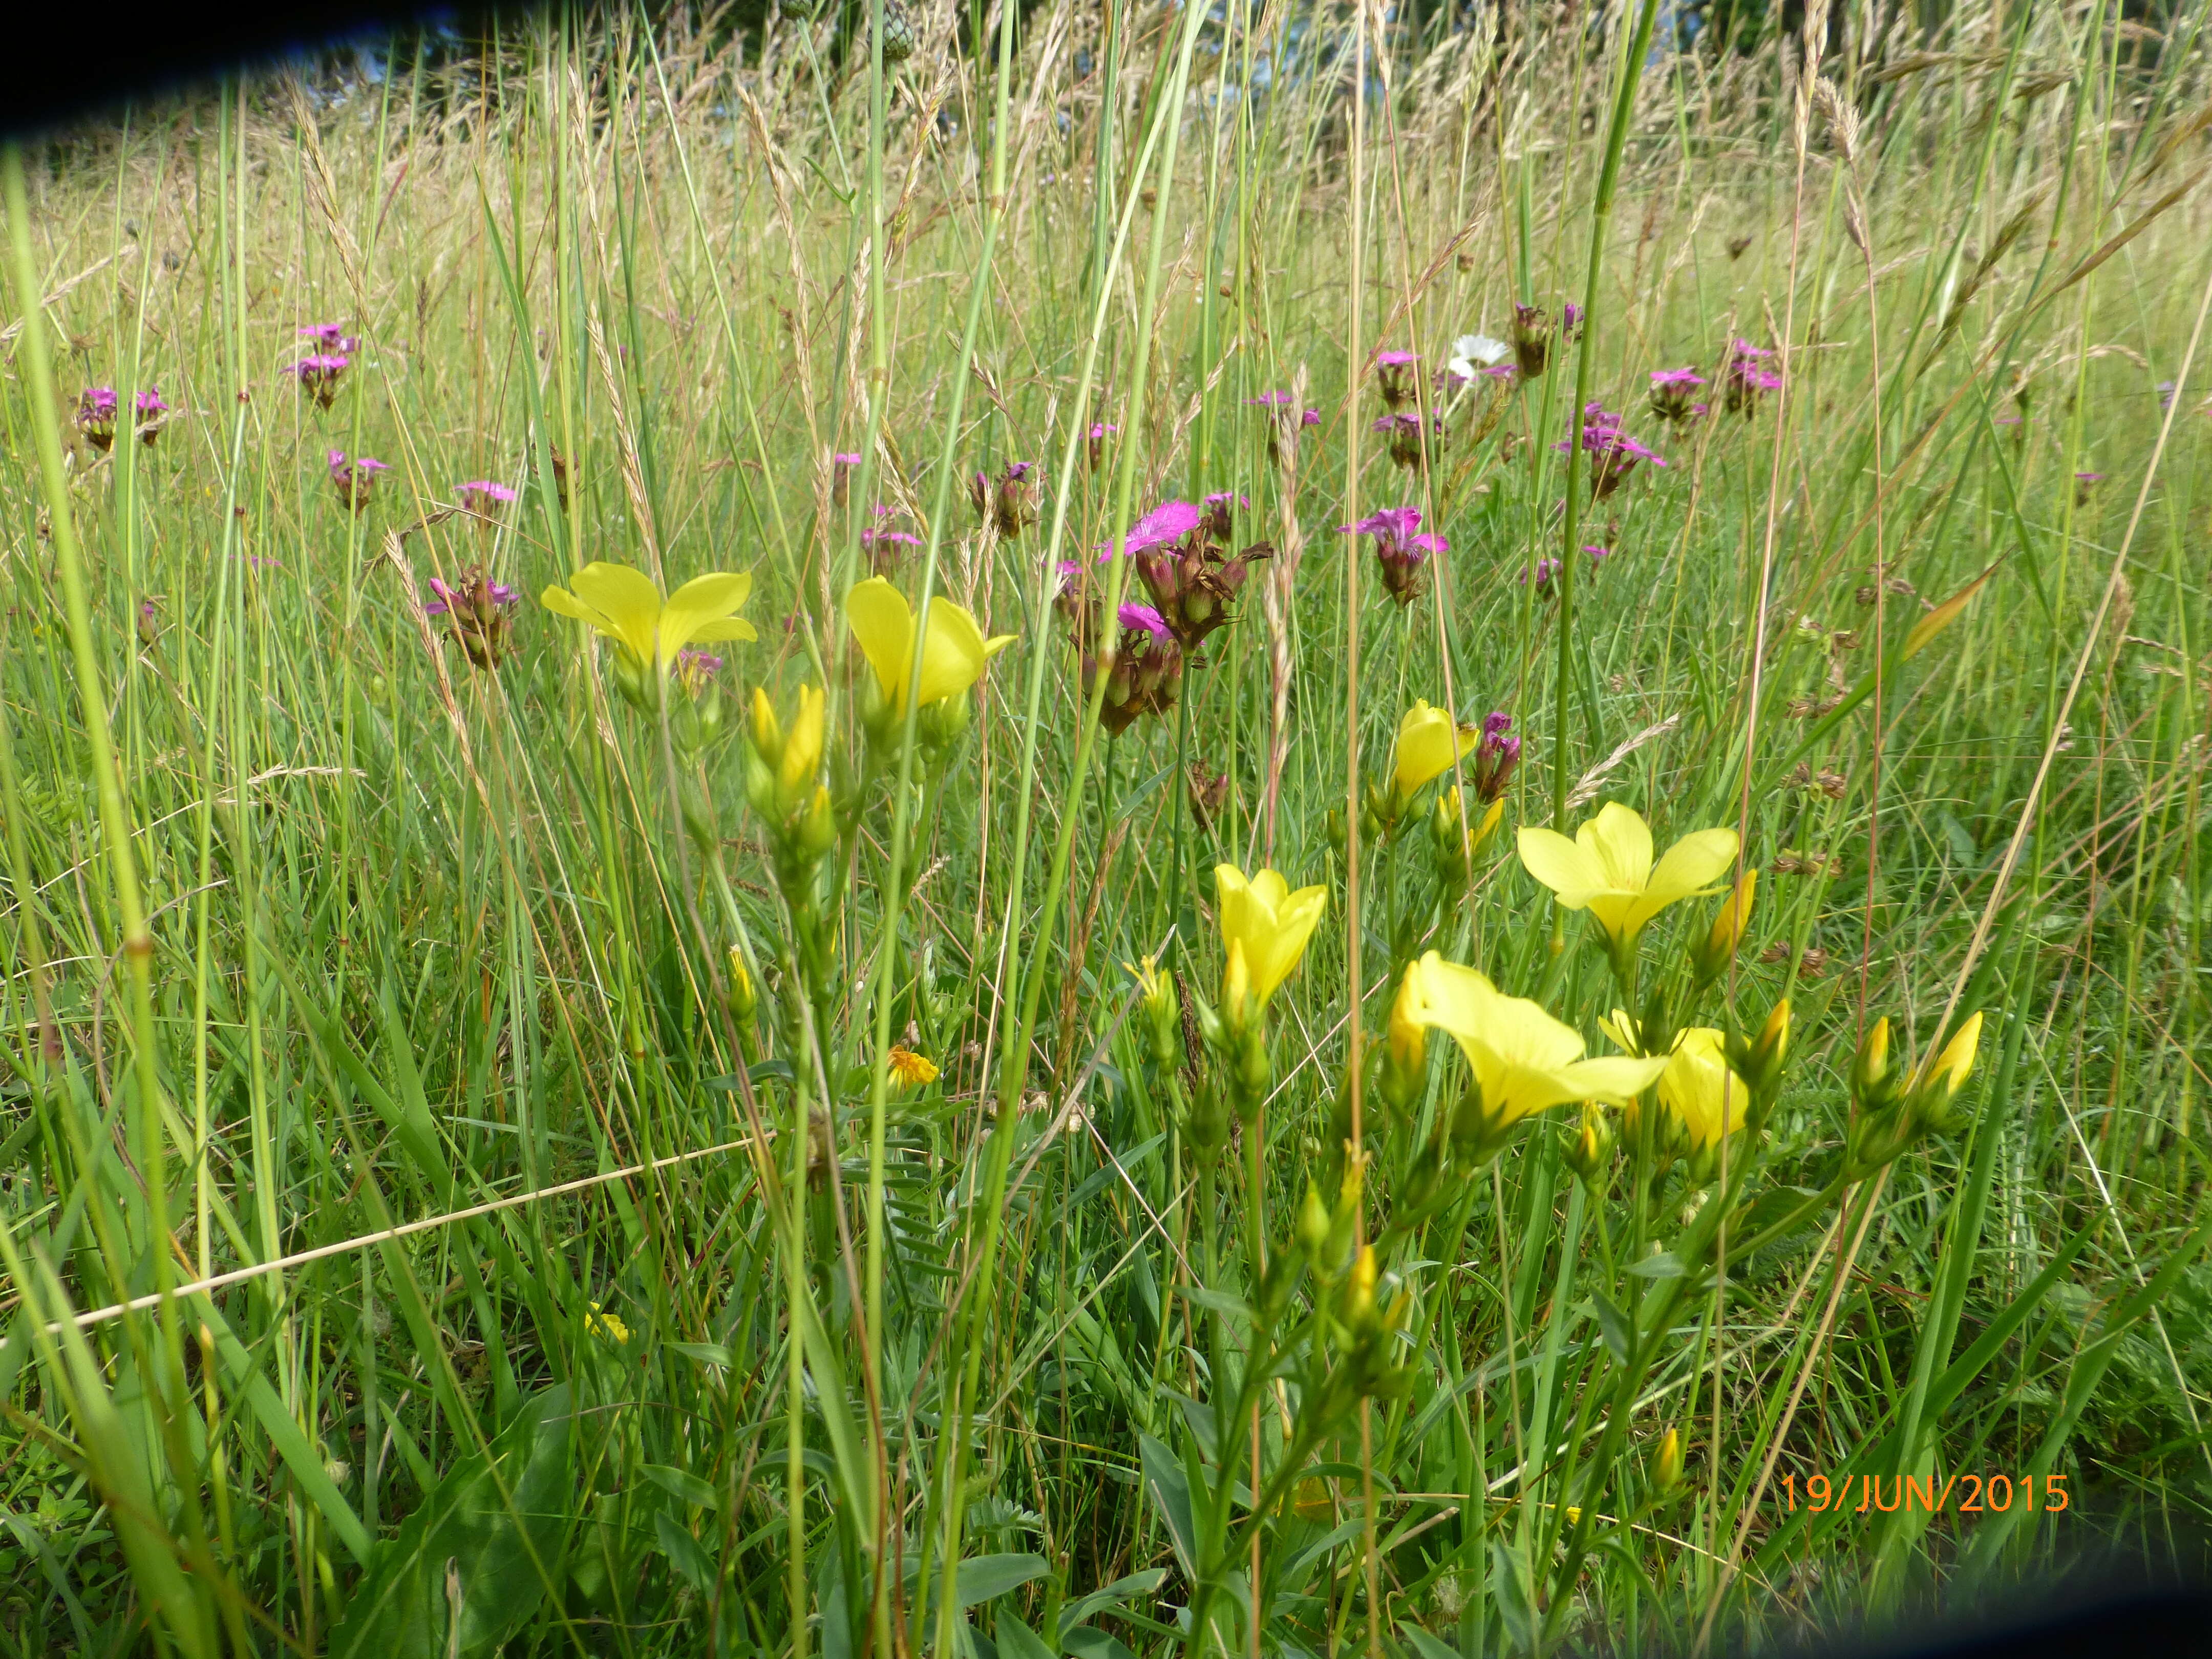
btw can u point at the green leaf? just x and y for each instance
(1018, 1641)
(1665, 1265)
(1110, 1596)
(1088, 1643)
(494, 1547)
(1426, 1646)
(707, 1353)
(681, 1484)
(1171, 1490)
(1613, 1324)
(684, 1554)
(988, 1577)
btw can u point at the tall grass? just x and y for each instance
(460, 1187)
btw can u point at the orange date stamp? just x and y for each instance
(1959, 1494)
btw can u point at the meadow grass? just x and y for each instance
(505, 1145)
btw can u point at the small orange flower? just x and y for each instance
(911, 1069)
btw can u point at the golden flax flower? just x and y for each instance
(1607, 869)
(954, 651)
(1266, 924)
(911, 1069)
(1429, 742)
(1523, 1060)
(1699, 1087)
(626, 606)
(607, 1325)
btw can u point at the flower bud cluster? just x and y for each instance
(784, 785)
(1894, 1109)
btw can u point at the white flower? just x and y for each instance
(1473, 352)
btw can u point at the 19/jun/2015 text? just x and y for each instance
(1958, 1494)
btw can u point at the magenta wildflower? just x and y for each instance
(2166, 394)
(332, 338)
(694, 668)
(482, 497)
(1747, 376)
(1614, 454)
(1394, 377)
(1404, 431)
(842, 465)
(1495, 756)
(1145, 676)
(1217, 510)
(1571, 322)
(1546, 568)
(1170, 521)
(1270, 401)
(95, 416)
(1094, 445)
(1311, 417)
(356, 479)
(1009, 505)
(1671, 394)
(2085, 485)
(477, 609)
(1132, 615)
(1403, 555)
(320, 375)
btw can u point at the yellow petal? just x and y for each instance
(1693, 865)
(1615, 1079)
(952, 654)
(1294, 923)
(1619, 842)
(698, 605)
(730, 628)
(626, 598)
(1561, 864)
(883, 622)
(997, 643)
(1427, 745)
(562, 602)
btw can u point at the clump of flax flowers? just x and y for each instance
(1401, 550)
(476, 608)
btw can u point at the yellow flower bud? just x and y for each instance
(1870, 1071)
(764, 730)
(1711, 955)
(800, 763)
(742, 998)
(818, 833)
(1236, 986)
(1951, 1068)
(1359, 1287)
(1666, 1463)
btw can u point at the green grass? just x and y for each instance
(320, 937)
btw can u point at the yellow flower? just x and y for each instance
(1428, 745)
(911, 1069)
(606, 1325)
(1699, 1085)
(953, 653)
(1700, 1090)
(1267, 923)
(624, 605)
(1523, 1060)
(1607, 869)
